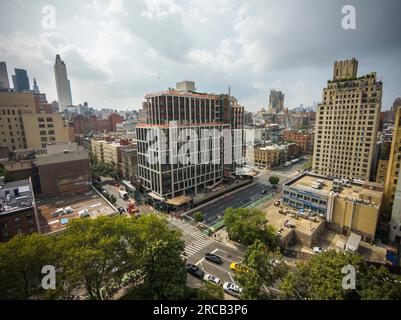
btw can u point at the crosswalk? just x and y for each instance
(196, 246)
(200, 241)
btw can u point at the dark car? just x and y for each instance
(121, 210)
(213, 258)
(195, 271)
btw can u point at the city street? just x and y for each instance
(239, 198)
(252, 193)
(113, 190)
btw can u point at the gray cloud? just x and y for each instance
(118, 50)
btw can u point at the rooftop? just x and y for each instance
(278, 219)
(16, 195)
(174, 92)
(350, 190)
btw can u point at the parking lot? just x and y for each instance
(90, 200)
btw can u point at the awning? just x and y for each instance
(155, 196)
(179, 200)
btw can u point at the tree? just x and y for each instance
(247, 225)
(4, 173)
(21, 262)
(274, 180)
(165, 273)
(210, 291)
(321, 277)
(259, 270)
(95, 254)
(379, 284)
(198, 216)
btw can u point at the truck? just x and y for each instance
(287, 164)
(353, 242)
(123, 194)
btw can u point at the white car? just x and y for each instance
(211, 278)
(232, 289)
(84, 213)
(318, 250)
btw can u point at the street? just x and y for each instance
(113, 190)
(239, 198)
(214, 210)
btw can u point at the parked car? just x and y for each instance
(213, 258)
(84, 213)
(60, 212)
(289, 224)
(236, 266)
(121, 210)
(318, 250)
(211, 278)
(68, 210)
(275, 262)
(195, 271)
(232, 289)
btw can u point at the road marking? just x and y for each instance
(232, 279)
(216, 266)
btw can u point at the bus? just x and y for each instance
(123, 194)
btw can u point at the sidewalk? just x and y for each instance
(222, 237)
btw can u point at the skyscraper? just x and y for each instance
(35, 86)
(276, 101)
(4, 83)
(21, 80)
(62, 84)
(392, 186)
(394, 163)
(347, 122)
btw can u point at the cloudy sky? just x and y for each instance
(116, 50)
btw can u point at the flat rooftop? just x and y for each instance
(277, 220)
(15, 196)
(354, 191)
(90, 200)
(174, 92)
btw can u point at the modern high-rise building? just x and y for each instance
(394, 163)
(62, 84)
(347, 122)
(276, 101)
(4, 82)
(201, 124)
(35, 86)
(21, 80)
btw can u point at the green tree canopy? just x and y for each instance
(210, 291)
(321, 278)
(274, 180)
(21, 262)
(260, 270)
(198, 216)
(94, 255)
(248, 225)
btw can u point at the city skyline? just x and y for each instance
(100, 44)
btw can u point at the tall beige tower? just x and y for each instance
(347, 122)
